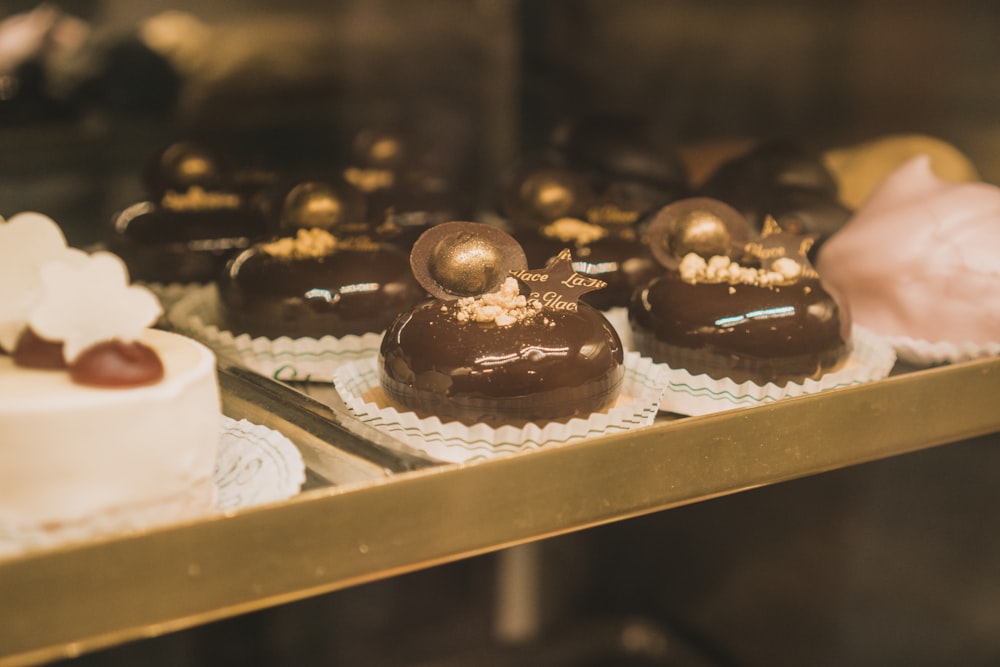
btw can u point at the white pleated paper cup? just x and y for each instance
(925, 353)
(871, 358)
(287, 359)
(452, 441)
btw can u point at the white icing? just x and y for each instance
(69, 451)
(27, 241)
(88, 303)
(921, 258)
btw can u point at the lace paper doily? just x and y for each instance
(254, 465)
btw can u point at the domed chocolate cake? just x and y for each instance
(409, 187)
(735, 305)
(552, 208)
(195, 220)
(483, 351)
(313, 282)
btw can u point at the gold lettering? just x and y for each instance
(576, 280)
(529, 277)
(555, 301)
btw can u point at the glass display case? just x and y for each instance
(748, 537)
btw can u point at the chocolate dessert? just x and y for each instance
(734, 305)
(784, 181)
(315, 281)
(552, 208)
(483, 351)
(193, 222)
(408, 187)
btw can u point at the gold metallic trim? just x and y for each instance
(69, 601)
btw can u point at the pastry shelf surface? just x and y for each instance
(370, 511)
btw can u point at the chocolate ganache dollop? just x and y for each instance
(483, 351)
(314, 282)
(734, 305)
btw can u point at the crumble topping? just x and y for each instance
(575, 230)
(313, 242)
(721, 269)
(610, 214)
(369, 180)
(504, 307)
(199, 199)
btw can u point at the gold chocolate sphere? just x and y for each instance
(465, 264)
(701, 232)
(385, 150)
(312, 205)
(548, 197)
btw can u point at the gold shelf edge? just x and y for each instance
(65, 602)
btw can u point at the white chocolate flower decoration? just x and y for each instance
(92, 303)
(27, 241)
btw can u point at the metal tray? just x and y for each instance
(372, 509)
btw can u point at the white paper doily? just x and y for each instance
(871, 358)
(927, 353)
(254, 465)
(196, 314)
(358, 384)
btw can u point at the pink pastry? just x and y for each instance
(921, 260)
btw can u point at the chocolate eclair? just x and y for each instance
(484, 351)
(732, 304)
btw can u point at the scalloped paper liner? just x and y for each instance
(254, 465)
(358, 384)
(925, 353)
(871, 358)
(287, 359)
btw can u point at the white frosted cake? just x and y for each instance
(68, 451)
(106, 425)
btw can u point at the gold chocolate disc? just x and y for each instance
(701, 225)
(458, 259)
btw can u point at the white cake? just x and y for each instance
(141, 455)
(82, 457)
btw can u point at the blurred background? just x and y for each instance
(891, 563)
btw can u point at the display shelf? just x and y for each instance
(372, 510)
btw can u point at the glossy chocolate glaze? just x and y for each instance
(166, 246)
(743, 332)
(347, 291)
(400, 215)
(621, 145)
(623, 262)
(554, 365)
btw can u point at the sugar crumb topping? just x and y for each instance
(721, 269)
(574, 230)
(503, 307)
(199, 199)
(313, 242)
